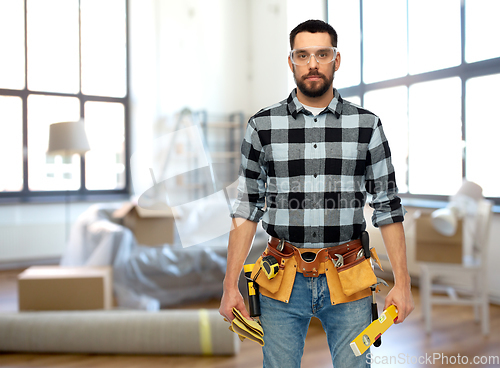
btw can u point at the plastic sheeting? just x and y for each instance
(149, 277)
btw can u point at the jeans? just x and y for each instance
(285, 325)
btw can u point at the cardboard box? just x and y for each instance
(431, 246)
(42, 288)
(150, 227)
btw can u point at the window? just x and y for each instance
(59, 66)
(431, 78)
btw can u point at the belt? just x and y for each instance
(309, 264)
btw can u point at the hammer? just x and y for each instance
(377, 342)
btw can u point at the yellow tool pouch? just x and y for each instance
(279, 287)
(356, 276)
(337, 294)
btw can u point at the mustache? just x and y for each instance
(317, 74)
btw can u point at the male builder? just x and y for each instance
(307, 164)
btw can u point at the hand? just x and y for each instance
(401, 297)
(232, 298)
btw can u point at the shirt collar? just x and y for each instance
(295, 107)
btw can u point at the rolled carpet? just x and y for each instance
(190, 332)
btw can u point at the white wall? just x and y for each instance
(269, 48)
(203, 55)
(35, 231)
(218, 55)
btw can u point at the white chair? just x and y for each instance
(473, 268)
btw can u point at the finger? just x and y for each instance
(388, 302)
(227, 316)
(401, 319)
(243, 310)
(402, 314)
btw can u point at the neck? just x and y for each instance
(321, 101)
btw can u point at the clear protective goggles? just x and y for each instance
(322, 54)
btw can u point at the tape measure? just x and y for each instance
(270, 266)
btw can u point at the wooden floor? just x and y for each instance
(455, 335)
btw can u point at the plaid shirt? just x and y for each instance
(307, 176)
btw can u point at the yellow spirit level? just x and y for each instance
(366, 338)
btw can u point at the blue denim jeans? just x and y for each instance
(285, 324)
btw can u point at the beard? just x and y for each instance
(316, 88)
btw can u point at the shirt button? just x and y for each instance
(315, 146)
(315, 120)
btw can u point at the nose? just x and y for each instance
(313, 62)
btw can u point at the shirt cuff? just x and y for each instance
(388, 213)
(247, 211)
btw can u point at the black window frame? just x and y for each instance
(81, 194)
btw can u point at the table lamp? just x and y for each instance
(445, 220)
(67, 138)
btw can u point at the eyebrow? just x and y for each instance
(320, 48)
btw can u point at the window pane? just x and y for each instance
(434, 34)
(391, 105)
(49, 172)
(435, 137)
(354, 99)
(384, 40)
(481, 22)
(344, 17)
(482, 132)
(104, 53)
(11, 143)
(53, 46)
(12, 44)
(105, 162)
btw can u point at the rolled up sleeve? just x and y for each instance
(250, 202)
(381, 181)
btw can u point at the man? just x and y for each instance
(307, 164)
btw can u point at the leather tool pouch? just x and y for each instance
(309, 262)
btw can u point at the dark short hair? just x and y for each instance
(314, 26)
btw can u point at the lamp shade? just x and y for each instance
(445, 221)
(469, 190)
(68, 138)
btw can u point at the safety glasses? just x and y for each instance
(322, 54)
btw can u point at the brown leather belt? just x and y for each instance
(310, 266)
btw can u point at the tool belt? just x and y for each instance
(349, 276)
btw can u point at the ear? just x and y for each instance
(337, 61)
(290, 64)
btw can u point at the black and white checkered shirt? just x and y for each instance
(307, 176)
